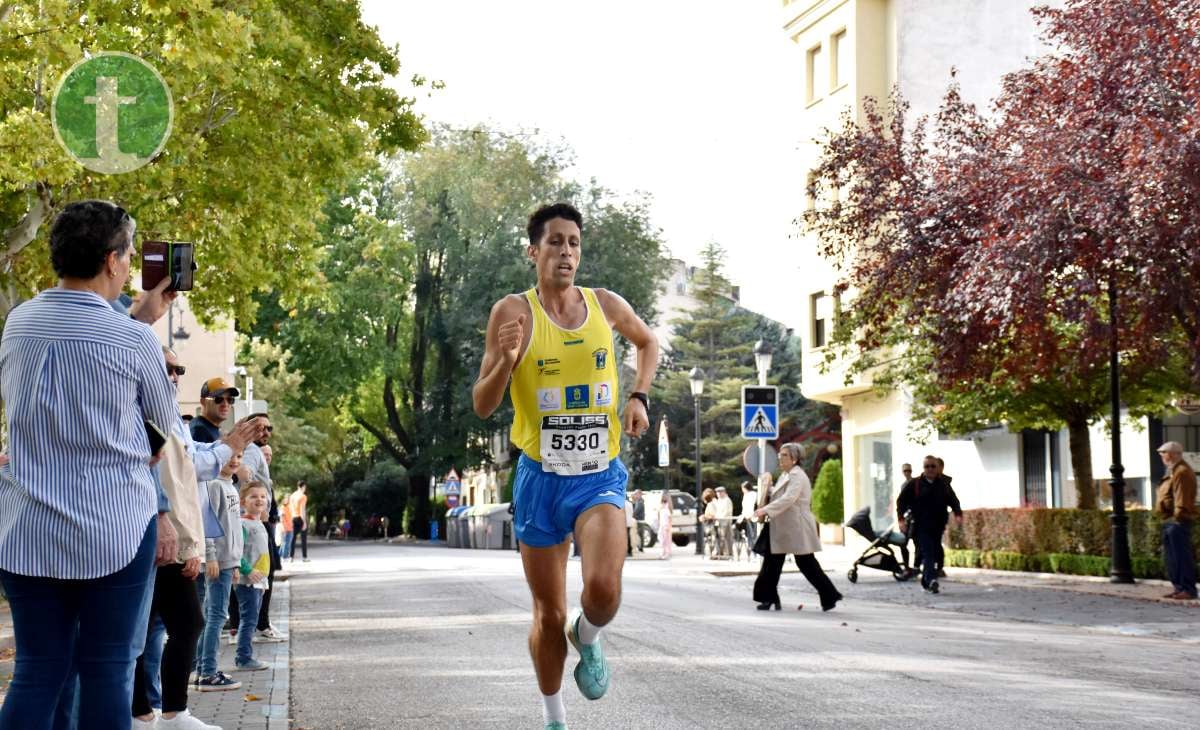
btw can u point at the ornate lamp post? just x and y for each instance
(762, 361)
(696, 379)
(1122, 566)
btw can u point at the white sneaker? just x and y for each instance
(185, 720)
(231, 638)
(145, 724)
(269, 635)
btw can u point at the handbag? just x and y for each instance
(762, 545)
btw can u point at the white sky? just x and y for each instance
(690, 102)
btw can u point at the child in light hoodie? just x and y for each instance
(255, 564)
(223, 555)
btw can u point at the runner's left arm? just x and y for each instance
(625, 321)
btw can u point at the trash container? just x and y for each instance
(493, 518)
(463, 522)
(479, 523)
(453, 533)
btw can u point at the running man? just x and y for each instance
(556, 343)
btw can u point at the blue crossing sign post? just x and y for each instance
(760, 412)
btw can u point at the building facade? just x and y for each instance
(205, 353)
(848, 50)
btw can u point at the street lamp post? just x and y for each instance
(696, 379)
(1122, 568)
(762, 360)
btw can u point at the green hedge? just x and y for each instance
(1041, 540)
(1143, 567)
(1030, 531)
(827, 494)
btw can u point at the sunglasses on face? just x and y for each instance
(929, 467)
(223, 399)
(176, 369)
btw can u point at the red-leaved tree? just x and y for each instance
(977, 260)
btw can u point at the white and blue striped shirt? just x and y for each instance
(77, 381)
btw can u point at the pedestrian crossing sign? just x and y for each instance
(760, 412)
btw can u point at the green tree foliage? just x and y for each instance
(718, 336)
(306, 439)
(276, 105)
(827, 498)
(417, 252)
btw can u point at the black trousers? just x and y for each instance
(301, 536)
(176, 601)
(929, 547)
(766, 587)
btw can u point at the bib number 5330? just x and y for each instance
(575, 442)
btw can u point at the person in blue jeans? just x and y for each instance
(252, 582)
(80, 530)
(223, 555)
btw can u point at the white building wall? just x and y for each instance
(982, 39)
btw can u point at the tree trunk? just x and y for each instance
(418, 491)
(1081, 462)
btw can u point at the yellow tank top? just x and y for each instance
(564, 393)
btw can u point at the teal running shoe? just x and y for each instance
(556, 725)
(591, 673)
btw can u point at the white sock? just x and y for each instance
(553, 709)
(587, 632)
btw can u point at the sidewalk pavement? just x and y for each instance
(262, 701)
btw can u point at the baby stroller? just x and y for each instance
(881, 554)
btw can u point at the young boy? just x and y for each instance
(256, 562)
(224, 554)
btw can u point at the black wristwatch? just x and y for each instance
(643, 398)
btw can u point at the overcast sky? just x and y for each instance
(692, 103)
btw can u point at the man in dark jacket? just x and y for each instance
(928, 497)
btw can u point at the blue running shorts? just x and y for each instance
(546, 505)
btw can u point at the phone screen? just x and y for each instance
(182, 266)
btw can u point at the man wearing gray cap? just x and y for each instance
(1176, 504)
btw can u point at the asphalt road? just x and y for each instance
(388, 636)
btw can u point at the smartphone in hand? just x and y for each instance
(168, 259)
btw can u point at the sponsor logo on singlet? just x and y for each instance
(601, 357)
(603, 395)
(549, 399)
(577, 396)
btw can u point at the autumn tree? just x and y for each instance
(977, 261)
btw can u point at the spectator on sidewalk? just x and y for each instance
(1176, 504)
(928, 497)
(80, 524)
(299, 505)
(639, 506)
(223, 555)
(253, 581)
(664, 526)
(289, 532)
(217, 397)
(722, 512)
(747, 521)
(175, 606)
(256, 467)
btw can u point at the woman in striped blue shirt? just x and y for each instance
(78, 505)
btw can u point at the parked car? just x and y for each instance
(683, 517)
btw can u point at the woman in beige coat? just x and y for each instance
(791, 528)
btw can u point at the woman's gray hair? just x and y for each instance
(795, 450)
